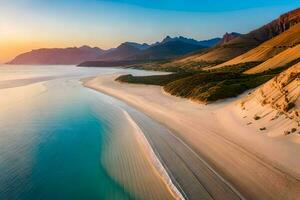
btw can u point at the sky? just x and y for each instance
(32, 24)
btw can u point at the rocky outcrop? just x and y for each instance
(228, 37)
(273, 53)
(288, 20)
(274, 28)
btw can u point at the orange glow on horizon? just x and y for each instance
(9, 49)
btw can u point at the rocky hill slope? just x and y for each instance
(246, 42)
(268, 49)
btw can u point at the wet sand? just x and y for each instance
(129, 160)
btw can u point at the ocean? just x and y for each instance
(54, 135)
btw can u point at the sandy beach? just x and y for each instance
(237, 160)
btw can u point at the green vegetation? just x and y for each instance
(237, 68)
(166, 66)
(153, 80)
(284, 67)
(201, 86)
(157, 67)
(208, 86)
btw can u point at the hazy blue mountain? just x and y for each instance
(206, 43)
(54, 56)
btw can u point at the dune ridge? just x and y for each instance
(281, 94)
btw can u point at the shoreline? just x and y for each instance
(136, 95)
(147, 173)
(128, 161)
(223, 191)
(154, 159)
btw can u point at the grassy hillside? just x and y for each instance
(237, 68)
(153, 80)
(214, 86)
(170, 67)
(203, 86)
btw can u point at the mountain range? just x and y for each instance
(246, 42)
(266, 60)
(168, 48)
(267, 47)
(58, 56)
(270, 48)
(252, 48)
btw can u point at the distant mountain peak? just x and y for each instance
(89, 48)
(167, 39)
(204, 43)
(85, 47)
(53, 56)
(289, 19)
(137, 45)
(125, 45)
(228, 37)
(179, 38)
(276, 27)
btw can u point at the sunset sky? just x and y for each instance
(31, 24)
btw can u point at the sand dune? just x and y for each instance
(255, 164)
(279, 99)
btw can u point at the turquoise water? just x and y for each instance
(51, 144)
(52, 148)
